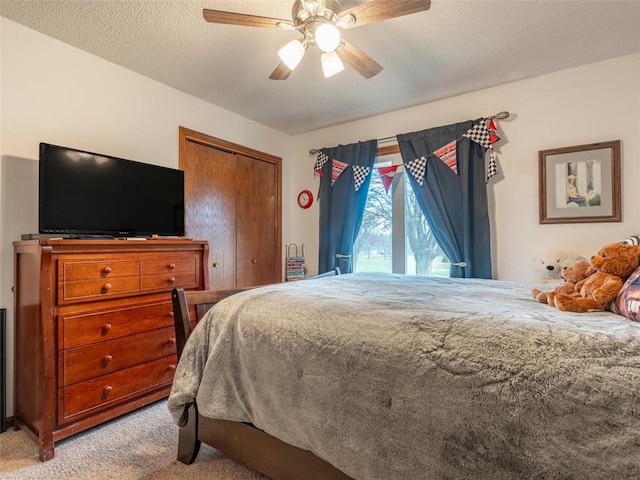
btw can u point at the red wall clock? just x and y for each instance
(305, 199)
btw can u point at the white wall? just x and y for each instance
(588, 104)
(51, 92)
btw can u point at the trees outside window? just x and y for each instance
(395, 236)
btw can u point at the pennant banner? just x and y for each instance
(336, 170)
(484, 133)
(360, 174)
(448, 155)
(386, 175)
(417, 168)
(320, 163)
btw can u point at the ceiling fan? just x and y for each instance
(319, 22)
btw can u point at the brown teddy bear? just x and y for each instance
(614, 263)
(571, 275)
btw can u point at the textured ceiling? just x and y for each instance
(455, 47)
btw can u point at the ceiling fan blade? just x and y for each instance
(358, 60)
(378, 10)
(281, 72)
(231, 18)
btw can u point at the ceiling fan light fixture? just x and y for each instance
(331, 64)
(292, 53)
(327, 37)
(310, 6)
(346, 21)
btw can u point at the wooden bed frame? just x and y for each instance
(241, 441)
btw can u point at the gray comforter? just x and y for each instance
(402, 377)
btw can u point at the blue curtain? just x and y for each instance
(455, 205)
(341, 206)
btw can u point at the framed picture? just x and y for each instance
(580, 184)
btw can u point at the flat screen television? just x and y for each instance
(89, 194)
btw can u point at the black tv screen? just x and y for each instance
(84, 193)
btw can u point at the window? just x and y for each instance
(395, 236)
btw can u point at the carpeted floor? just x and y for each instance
(141, 445)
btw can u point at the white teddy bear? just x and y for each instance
(547, 266)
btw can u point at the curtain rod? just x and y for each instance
(497, 116)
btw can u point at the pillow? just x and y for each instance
(627, 303)
(632, 240)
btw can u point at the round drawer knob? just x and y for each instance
(172, 266)
(172, 341)
(106, 269)
(107, 359)
(172, 367)
(107, 390)
(106, 327)
(215, 264)
(254, 261)
(172, 279)
(106, 287)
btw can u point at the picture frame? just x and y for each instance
(580, 184)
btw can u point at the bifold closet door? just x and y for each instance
(257, 218)
(210, 208)
(233, 199)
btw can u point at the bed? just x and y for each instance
(383, 376)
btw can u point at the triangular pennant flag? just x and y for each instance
(479, 134)
(417, 168)
(448, 155)
(360, 174)
(336, 170)
(386, 175)
(492, 168)
(320, 163)
(493, 132)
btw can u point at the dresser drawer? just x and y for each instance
(86, 290)
(173, 264)
(98, 393)
(86, 328)
(82, 363)
(168, 281)
(108, 267)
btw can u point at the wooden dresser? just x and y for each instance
(94, 335)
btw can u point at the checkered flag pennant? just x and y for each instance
(479, 133)
(321, 160)
(417, 168)
(360, 174)
(448, 154)
(336, 170)
(492, 168)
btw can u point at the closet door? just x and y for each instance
(210, 208)
(233, 200)
(256, 207)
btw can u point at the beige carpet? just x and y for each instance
(141, 445)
